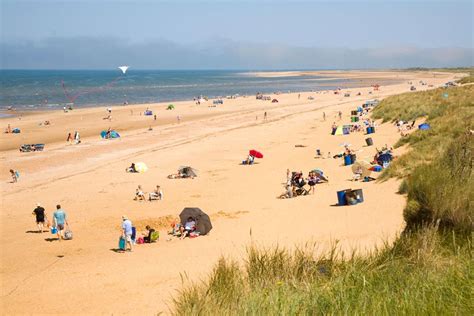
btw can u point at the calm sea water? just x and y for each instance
(44, 89)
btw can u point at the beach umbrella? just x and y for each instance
(362, 167)
(203, 222)
(141, 167)
(255, 153)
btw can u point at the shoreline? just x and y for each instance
(357, 79)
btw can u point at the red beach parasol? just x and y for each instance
(255, 153)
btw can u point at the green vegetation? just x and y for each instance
(416, 276)
(450, 112)
(427, 271)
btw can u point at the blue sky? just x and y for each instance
(231, 26)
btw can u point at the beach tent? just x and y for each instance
(274, 101)
(203, 222)
(16, 131)
(424, 126)
(141, 167)
(187, 172)
(341, 130)
(320, 174)
(170, 107)
(385, 158)
(148, 112)
(113, 134)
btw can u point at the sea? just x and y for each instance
(49, 89)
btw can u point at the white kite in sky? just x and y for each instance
(124, 69)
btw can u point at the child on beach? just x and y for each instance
(15, 175)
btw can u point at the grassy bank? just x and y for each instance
(427, 271)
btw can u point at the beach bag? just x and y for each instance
(54, 230)
(154, 236)
(68, 234)
(140, 240)
(121, 243)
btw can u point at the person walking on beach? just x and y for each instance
(60, 220)
(15, 175)
(154, 117)
(324, 116)
(340, 115)
(265, 116)
(179, 119)
(40, 217)
(127, 232)
(77, 137)
(69, 138)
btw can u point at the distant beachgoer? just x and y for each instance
(15, 175)
(154, 117)
(69, 138)
(265, 116)
(299, 95)
(40, 217)
(127, 231)
(131, 112)
(77, 137)
(139, 194)
(188, 227)
(109, 110)
(340, 115)
(107, 134)
(179, 119)
(60, 220)
(157, 194)
(9, 129)
(150, 231)
(324, 116)
(312, 180)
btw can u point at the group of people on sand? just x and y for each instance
(183, 231)
(296, 182)
(76, 139)
(128, 238)
(156, 194)
(59, 225)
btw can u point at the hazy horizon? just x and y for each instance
(244, 35)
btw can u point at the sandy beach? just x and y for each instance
(86, 276)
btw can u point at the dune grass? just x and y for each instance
(419, 275)
(428, 270)
(450, 112)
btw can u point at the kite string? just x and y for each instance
(74, 97)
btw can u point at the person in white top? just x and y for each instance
(156, 195)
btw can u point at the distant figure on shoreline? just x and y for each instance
(324, 116)
(265, 116)
(15, 175)
(179, 119)
(69, 138)
(340, 115)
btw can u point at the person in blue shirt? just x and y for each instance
(60, 220)
(127, 231)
